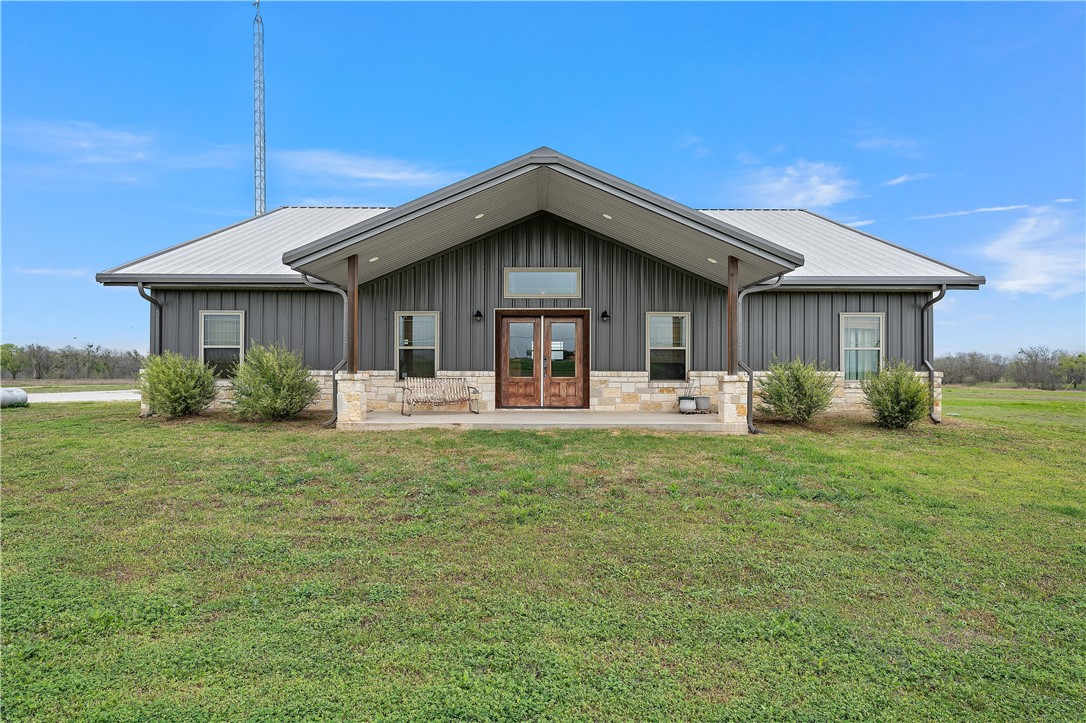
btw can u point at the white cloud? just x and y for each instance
(1043, 253)
(892, 143)
(858, 224)
(367, 170)
(804, 184)
(1063, 200)
(906, 177)
(695, 144)
(987, 209)
(61, 273)
(78, 142)
(82, 151)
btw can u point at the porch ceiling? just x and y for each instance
(543, 180)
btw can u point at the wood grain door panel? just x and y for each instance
(520, 362)
(542, 359)
(564, 370)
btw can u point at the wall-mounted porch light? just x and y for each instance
(605, 316)
(478, 315)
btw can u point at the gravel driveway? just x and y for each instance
(120, 395)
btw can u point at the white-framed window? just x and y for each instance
(862, 350)
(417, 334)
(668, 348)
(542, 283)
(222, 344)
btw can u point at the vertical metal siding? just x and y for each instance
(807, 325)
(309, 322)
(613, 277)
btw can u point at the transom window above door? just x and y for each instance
(542, 283)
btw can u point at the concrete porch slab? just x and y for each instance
(546, 419)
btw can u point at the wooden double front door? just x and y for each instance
(543, 359)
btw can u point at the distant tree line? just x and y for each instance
(90, 361)
(1035, 366)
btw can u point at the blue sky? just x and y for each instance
(955, 130)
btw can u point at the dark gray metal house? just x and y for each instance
(547, 283)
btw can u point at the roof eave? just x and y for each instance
(265, 280)
(884, 282)
(332, 243)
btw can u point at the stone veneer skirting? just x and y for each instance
(379, 390)
(624, 392)
(224, 392)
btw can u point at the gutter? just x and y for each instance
(343, 361)
(158, 317)
(925, 353)
(752, 289)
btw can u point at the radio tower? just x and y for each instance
(258, 109)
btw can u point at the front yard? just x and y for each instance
(208, 569)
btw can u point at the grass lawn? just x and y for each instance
(206, 569)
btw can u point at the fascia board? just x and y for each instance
(692, 218)
(334, 242)
(109, 279)
(846, 281)
(751, 243)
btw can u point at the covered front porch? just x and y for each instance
(631, 257)
(360, 406)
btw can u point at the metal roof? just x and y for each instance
(543, 180)
(839, 255)
(247, 252)
(317, 239)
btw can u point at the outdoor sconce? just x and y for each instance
(605, 316)
(478, 315)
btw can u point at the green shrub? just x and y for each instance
(175, 386)
(272, 382)
(896, 395)
(795, 390)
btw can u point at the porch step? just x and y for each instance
(545, 419)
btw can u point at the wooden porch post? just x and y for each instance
(352, 314)
(733, 315)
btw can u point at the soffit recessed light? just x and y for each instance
(608, 216)
(712, 260)
(479, 215)
(373, 259)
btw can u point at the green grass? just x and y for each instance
(206, 569)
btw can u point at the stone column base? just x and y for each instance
(732, 403)
(351, 400)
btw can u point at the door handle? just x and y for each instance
(545, 366)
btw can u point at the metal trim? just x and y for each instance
(541, 157)
(935, 281)
(291, 279)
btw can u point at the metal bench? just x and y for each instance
(438, 391)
